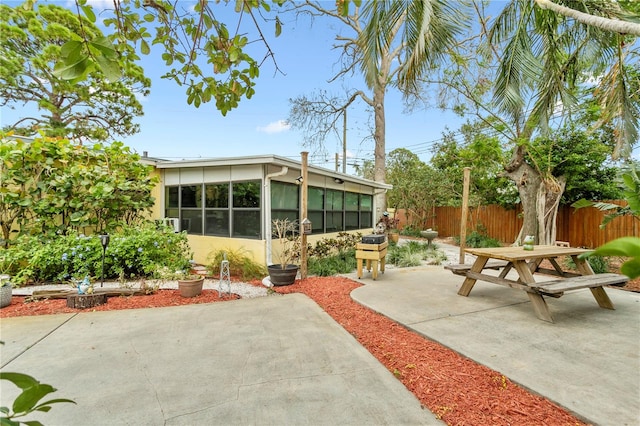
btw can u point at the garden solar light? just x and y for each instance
(104, 240)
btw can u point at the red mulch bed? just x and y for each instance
(455, 388)
(20, 306)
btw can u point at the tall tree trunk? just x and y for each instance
(607, 24)
(528, 182)
(540, 200)
(379, 152)
(548, 201)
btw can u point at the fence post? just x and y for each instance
(463, 213)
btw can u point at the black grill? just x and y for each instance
(373, 239)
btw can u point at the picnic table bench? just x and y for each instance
(463, 268)
(528, 262)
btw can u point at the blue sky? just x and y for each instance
(172, 129)
(304, 53)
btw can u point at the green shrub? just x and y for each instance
(413, 253)
(409, 258)
(340, 263)
(142, 251)
(599, 264)
(434, 256)
(331, 256)
(411, 231)
(479, 240)
(241, 264)
(331, 246)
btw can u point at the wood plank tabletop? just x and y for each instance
(511, 254)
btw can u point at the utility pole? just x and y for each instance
(344, 141)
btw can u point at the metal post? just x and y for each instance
(104, 240)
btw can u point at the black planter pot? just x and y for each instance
(279, 276)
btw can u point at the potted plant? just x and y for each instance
(390, 225)
(284, 273)
(6, 290)
(190, 285)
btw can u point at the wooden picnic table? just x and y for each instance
(528, 262)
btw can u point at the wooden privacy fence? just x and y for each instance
(580, 227)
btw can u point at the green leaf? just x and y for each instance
(110, 68)
(71, 50)
(88, 12)
(22, 381)
(30, 397)
(149, 17)
(104, 46)
(631, 268)
(625, 246)
(278, 27)
(582, 203)
(71, 70)
(46, 406)
(344, 10)
(144, 47)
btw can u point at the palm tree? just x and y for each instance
(416, 34)
(392, 43)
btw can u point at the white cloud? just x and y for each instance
(97, 5)
(275, 127)
(100, 4)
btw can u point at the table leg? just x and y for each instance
(382, 263)
(598, 293)
(359, 268)
(537, 301)
(557, 267)
(602, 298)
(505, 270)
(374, 272)
(468, 283)
(582, 266)
(368, 265)
(540, 307)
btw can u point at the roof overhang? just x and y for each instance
(273, 160)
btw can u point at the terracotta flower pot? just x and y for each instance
(190, 288)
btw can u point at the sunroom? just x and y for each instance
(229, 203)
